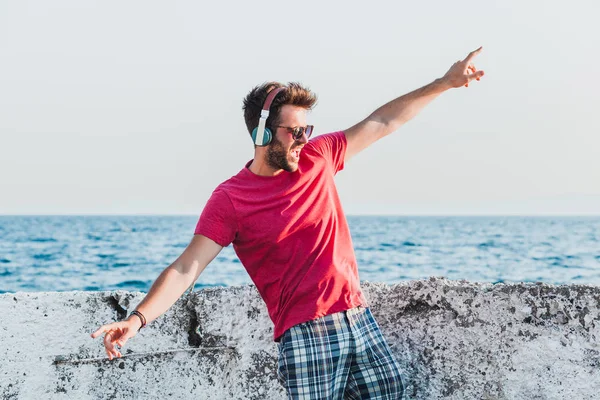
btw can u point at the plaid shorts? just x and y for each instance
(339, 356)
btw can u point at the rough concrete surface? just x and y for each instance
(456, 340)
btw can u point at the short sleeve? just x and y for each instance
(217, 221)
(332, 146)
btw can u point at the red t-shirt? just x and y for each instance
(291, 235)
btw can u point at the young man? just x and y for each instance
(283, 216)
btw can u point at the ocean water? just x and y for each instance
(60, 253)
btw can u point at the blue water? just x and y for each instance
(59, 253)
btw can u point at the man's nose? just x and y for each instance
(303, 138)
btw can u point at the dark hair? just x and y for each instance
(294, 94)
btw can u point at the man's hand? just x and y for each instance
(463, 72)
(116, 334)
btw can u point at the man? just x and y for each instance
(283, 216)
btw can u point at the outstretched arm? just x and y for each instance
(389, 117)
(165, 291)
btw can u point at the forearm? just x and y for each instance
(389, 117)
(400, 110)
(166, 289)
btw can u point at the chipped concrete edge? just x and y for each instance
(452, 339)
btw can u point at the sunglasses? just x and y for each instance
(298, 131)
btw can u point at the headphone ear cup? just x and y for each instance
(266, 139)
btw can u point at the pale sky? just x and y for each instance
(134, 107)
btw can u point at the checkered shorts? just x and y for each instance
(339, 356)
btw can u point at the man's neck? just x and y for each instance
(261, 168)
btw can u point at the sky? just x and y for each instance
(134, 107)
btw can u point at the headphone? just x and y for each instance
(261, 135)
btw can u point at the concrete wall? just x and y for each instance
(455, 340)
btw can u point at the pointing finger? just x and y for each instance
(102, 329)
(473, 54)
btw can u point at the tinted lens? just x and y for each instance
(297, 132)
(309, 130)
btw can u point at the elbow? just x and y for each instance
(186, 272)
(379, 119)
(381, 125)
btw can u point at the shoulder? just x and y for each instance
(327, 141)
(233, 184)
(331, 147)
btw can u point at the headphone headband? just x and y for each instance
(261, 135)
(270, 98)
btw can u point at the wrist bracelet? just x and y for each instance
(141, 317)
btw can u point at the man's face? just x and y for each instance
(284, 151)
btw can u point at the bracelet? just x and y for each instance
(141, 317)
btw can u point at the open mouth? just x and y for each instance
(295, 154)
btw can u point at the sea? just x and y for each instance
(97, 253)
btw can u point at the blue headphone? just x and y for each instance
(261, 135)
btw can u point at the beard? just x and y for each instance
(279, 158)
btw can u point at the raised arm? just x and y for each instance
(389, 117)
(165, 291)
